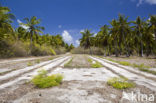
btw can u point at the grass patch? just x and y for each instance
(94, 65)
(29, 64)
(68, 63)
(120, 83)
(37, 61)
(124, 63)
(43, 81)
(140, 66)
(149, 71)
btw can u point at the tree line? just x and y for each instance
(27, 41)
(123, 37)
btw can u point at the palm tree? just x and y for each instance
(123, 25)
(5, 20)
(85, 41)
(114, 35)
(103, 38)
(33, 28)
(139, 26)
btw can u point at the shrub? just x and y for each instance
(42, 80)
(60, 50)
(120, 83)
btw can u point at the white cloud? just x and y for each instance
(82, 30)
(77, 43)
(60, 26)
(152, 2)
(67, 37)
(19, 21)
(95, 34)
(23, 26)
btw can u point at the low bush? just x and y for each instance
(42, 80)
(120, 83)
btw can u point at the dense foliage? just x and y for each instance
(124, 37)
(28, 38)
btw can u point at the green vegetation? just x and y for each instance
(147, 70)
(94, 65)
(120, 83)
(123, 37)
(29, 63)
(141, 67)
(27, 39)
(68, 63)
(44, 81)
(37, 61)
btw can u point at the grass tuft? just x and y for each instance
(29, 64)
(68, 63)
(120, 83)
(94, 65)
(43, 81)
(37, 61)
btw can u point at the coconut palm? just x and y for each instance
(86, 40)
(32, 28)
(139, 26)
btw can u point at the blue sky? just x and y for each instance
(69, 17)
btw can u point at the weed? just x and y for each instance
(89, 60)
(67, 64)
(96, 65)
(120, 83)
(149, 71)
(141, 66)
(29, 64)
(37, 61)
(44, 81)
(124, 63)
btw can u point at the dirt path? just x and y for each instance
(81, 84)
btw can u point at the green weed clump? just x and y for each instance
(140, 66)
(68, 63)
(124, 63)
(96, 65)
(37, 61)
(89, 60)
(42, 80)
(29, 64)
(120, 83)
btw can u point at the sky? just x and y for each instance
(69, 17)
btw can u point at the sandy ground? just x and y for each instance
(80, 85)
(79, 61)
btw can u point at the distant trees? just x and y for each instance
(124, 37)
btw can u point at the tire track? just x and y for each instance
(17, 73)
(29, 75)
(130, 69)
(140, 80)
